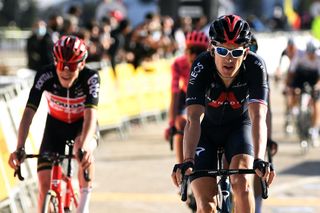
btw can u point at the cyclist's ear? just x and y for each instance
(82, 64)
(245, 53)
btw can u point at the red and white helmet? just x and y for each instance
(70, 49)
(197, 39)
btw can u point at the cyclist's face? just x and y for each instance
(228, 58)
(68, 74)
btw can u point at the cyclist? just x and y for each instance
(285, 59)
(228, 86)
(305, 68)
(196, 42)
(272, 146)
(72, 92)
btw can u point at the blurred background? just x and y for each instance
(133, 43)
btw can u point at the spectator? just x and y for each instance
(55, 25)
(118, 49)
(39, 46)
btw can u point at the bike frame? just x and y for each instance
(56, 185)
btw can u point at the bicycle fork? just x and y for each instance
(56, 184)
(224, 186)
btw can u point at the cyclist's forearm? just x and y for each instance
(192, 130)
(89, 127)
(257, 114)
(24, 126)
(191, 139)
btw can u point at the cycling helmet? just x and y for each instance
(231, 29)
(198, 39)
(70, 49)
(311, 47)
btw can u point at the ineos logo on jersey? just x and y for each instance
(94, 85)
(43, 78)
(226, 98)
(195, 72)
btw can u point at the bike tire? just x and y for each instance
(50, 204)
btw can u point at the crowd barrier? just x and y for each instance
(126, 94)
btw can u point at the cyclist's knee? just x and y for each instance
(44, 181)
(240, 184)
(204, 206)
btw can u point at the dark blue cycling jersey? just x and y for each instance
(224, 105)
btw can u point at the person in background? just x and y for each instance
(39, 46)
(306, 69)
(55, 25)
(286, 57)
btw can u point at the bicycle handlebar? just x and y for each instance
(221, 172)
(51, 157)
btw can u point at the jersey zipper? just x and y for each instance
(68, 106)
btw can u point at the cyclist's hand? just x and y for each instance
(16, 158)
(181, 169)
(85, 158)
(273, 146)
(264, 170)
(169, 132)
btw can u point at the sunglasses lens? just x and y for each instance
(222, 51)
(71, 66)
(59, 66)
(236, 53)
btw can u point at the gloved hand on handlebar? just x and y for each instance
(169, 131)
(181, 169)
(16, 158)
(264, 170)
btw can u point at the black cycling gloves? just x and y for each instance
(183, 166)
(262, 165)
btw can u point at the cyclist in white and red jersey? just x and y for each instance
(196, 43)
(72, 93)
(226, 102)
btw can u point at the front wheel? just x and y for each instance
(50, 204)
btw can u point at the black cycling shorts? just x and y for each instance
(306, 76)
(56, 133)
(234, 138)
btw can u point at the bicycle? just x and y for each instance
(224, 195)
(53, 201)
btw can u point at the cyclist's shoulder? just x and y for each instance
(181, 59)
(88, 73)
(205, 59)
(254, 62)
(45, 74)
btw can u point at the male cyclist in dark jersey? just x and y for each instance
(196, 43)
(72, 92)
(228, 87)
